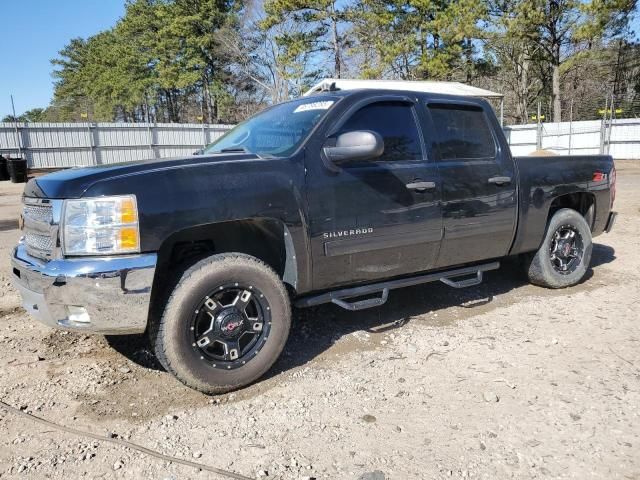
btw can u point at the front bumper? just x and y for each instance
(106, 295)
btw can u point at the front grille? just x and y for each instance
(39, 235)
(39, 243)
(39, 213)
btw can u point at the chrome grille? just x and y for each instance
(39, 213)
(39, 243)
(39, 234)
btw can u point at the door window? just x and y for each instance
(462, 133)
(395, 123)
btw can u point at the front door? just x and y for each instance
(479, 195)
(379, 218)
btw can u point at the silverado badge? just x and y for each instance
(347, 233)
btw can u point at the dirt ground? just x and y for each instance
(504, 380)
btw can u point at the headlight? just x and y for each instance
(102, 225)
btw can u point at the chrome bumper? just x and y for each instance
(107, 295)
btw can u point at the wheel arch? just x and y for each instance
(268, 239)
(537, 208)
(551, 265)
(582, 202)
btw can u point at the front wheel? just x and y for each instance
(224, 325)
(564, 256)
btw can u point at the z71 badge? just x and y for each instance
(347, 233)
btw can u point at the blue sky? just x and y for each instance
(32, 33)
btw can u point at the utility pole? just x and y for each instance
(539, 128)
(610, 124)
(570, 124)
(15, 127)
(13, 107)
(201, 118)
(603, 125)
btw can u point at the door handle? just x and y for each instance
(421, 186)
(500, 180)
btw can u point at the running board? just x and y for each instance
(362, 304)
(467, 282)
(339, 297)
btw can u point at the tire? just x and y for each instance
(545, 267)
(202, 296)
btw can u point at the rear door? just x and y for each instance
(479, 201)
(380, 218)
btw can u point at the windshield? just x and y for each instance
(277, 131)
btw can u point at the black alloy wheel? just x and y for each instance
(230, 325)
(564, 254)
(566, 249)
(224, 324)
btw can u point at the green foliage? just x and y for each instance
(418, 39)
(552, 36)
(321, 33)
(33, 115)
(605, 18)
(220, 60)
(158, 60)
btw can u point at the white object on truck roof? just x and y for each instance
(448, 88)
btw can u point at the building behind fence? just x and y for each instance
(49, 145)
(52, 145)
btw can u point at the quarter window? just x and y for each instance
(395, 123)
(462, 133)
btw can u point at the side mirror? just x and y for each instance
(357, 145)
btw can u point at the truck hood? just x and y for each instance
(73, 182)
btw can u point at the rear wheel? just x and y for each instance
(564, 256)
(224, 325)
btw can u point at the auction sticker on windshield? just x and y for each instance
(314, 106)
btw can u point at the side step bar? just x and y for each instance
(448, 277)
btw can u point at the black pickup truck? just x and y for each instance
(338, 197)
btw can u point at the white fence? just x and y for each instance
(47, 145)
(620, 138)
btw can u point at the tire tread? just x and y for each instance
(158, 333)
(537, 264)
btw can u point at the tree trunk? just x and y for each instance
(336, 44)
(207, 110)
(173, 108)
(523, 93)
(212, 117)
(555, 84)
(162, 102)
(468, 53)
(169, 104)
(619, 70)
(557, 107)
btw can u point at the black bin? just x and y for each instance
(17, 169)
(4, 173)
